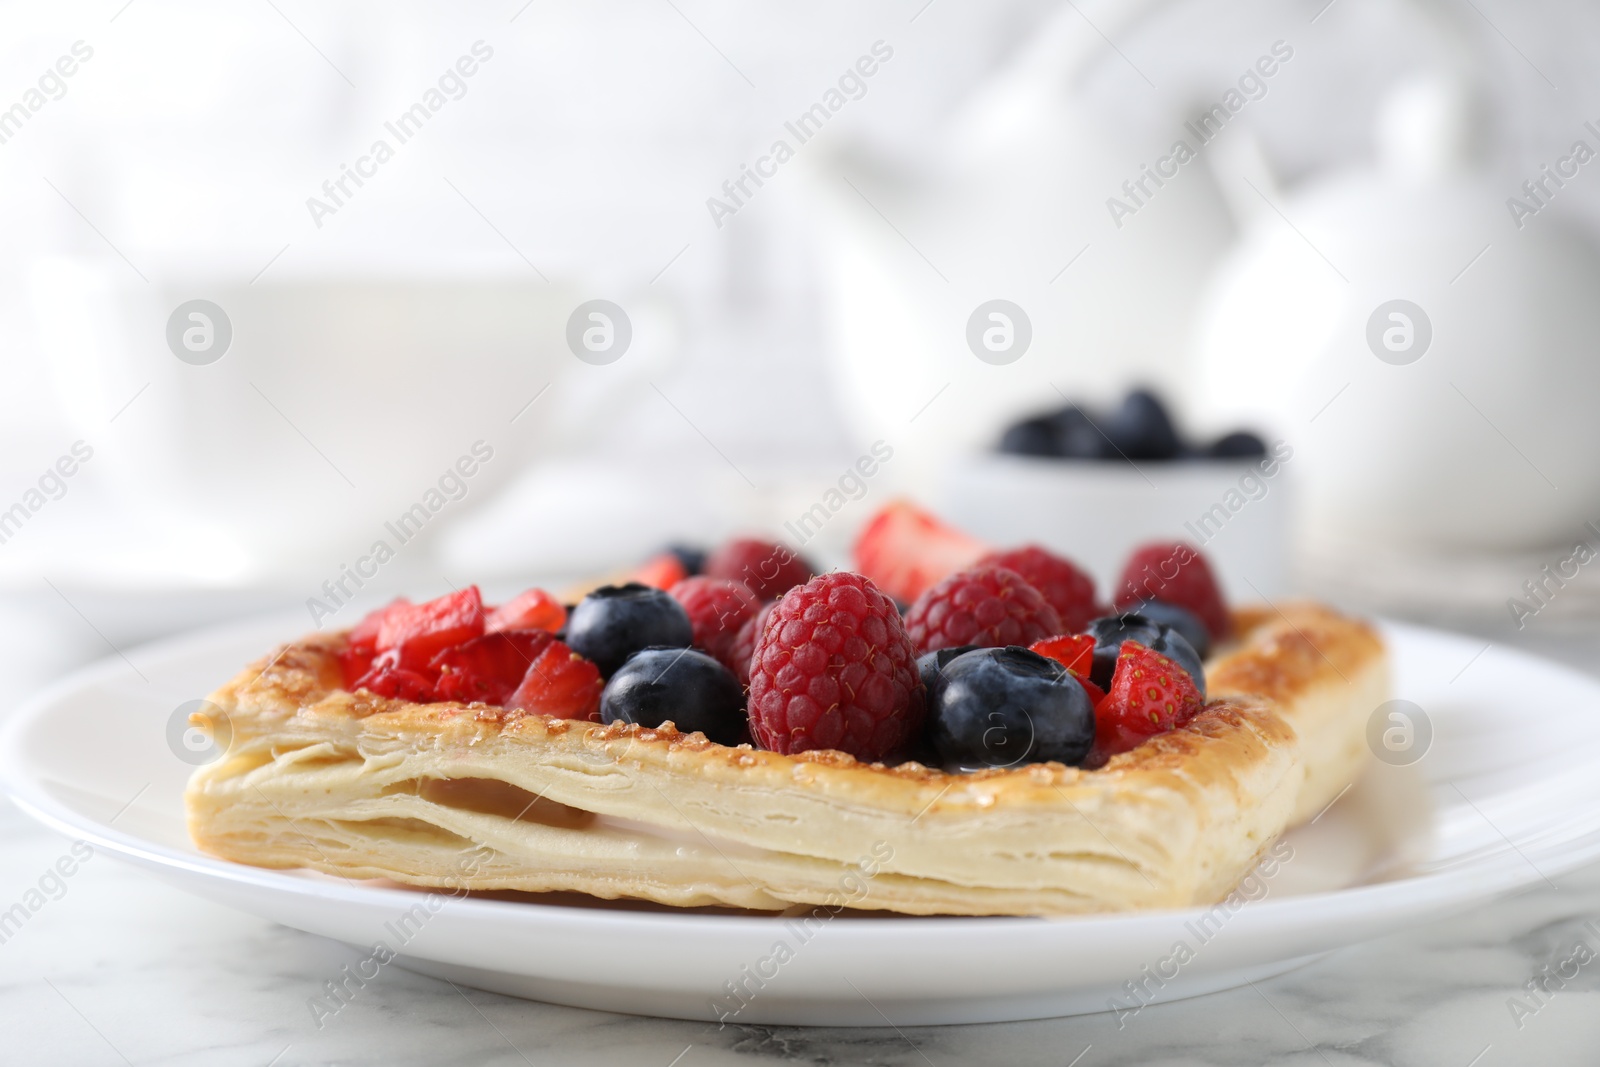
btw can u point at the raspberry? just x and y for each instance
(768, 568)
(984, 606)
(1065, 587)
(1149, 695)
(1176, 573)
(905, 550)
(834, 669)
(717, 608)
(743, 649)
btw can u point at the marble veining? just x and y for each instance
(120, 968)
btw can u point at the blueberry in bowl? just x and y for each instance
(615, 621)
(680, 685)
(1002, 707)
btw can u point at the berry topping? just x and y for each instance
(985, 606)
(692, 557)
(1176, 573)
(687, 688)
(615, 621)
(905, 550)
(1075, 652)
(743, 649)
(1111, 632)
(421, 631)
(533, 610)
(388, 680)
(661, 571)
(559, 683)
(1149, 695)
(1066, 588)
(998, 707)
(487, 669)
(930, 665)
(365, 633)
(834, 669)
(1183, 620)
(717, 608)
(768, 568)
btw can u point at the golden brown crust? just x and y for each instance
(349, 783)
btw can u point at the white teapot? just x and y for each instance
(1424, 336)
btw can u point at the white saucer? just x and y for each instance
(1505, 797)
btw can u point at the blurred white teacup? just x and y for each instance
(285, 422)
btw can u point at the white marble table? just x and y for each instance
(123, 969)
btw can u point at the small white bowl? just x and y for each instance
(1096, 512)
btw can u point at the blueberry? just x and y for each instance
(1241, 444)
(1182, 620)
(999, 707)
(931, 664)
(1110, 631)
(1030, 437)
(1078, 435)
(689, 688)
(615, 621)
(1141, 428)
(692, 557)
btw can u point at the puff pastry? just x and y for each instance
(368, 787)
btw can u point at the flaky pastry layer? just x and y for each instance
(480, 798)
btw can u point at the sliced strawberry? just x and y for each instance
(660, 572)
(532, 610)
(487, 669)
(561, 684)
(354, 662)
(1176, 573)
(1075, 652)
(422, 631)
(905, 550)
(365, 632)
(1096, 694)
(1149, 695)
(388, 679)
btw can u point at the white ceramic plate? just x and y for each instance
(1505, 796)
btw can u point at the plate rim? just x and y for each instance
(1476, 880)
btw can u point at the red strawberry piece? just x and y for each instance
(1178, 574)
(1063, 585)
(1149, 695)
(717, 608)
(905, 550)
(659, 572)
(365, 632)
(743, 649)
(354, 662)
(985, 606)
(1075, 652)
(561, 684)
(1096, 694)
(834, 669)
(770, 569)
(532, 610)
(387, 678)
(487, 669)
(422, 631)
